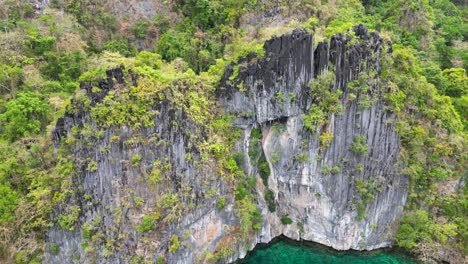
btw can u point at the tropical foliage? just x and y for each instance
(45, 54)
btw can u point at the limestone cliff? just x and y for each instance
(333, 179)
(312, 185)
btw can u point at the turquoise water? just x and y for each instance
(285, 252)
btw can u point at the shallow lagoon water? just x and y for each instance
(284, 251)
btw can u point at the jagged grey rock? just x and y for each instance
(325, 203)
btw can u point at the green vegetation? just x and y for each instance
(221, 203)
(325, 103)
(360, 167)
(174, 244)
(138, 201)
(335, 169)
(8, 202)
(43, 57)
(68, 221)
(158, 171)
(251, 218)
(300, 226)
(264, 170)
(418, 227)
(302, 158)
(285, 220)
(365, 189)
(146, 226)
(359, 145)
(275, 158)
(325, 170)
(92, 166)
(270, 199)
(26, 115)
(430, 152)
(160, 260)
(325, 140)
(140, 28)
(255, 144)
(55, 249)
(136, 159)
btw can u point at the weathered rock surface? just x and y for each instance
(108, 196)
(325, 203)
(269, 93)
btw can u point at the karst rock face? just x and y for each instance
(277, 96)
(333, 194)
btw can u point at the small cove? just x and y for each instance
(284, 251)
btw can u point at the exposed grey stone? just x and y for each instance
(274, 96)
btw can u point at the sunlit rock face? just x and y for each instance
(331, 194)
(312, 186)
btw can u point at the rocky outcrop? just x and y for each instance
(331, 193)
(146, 9)
(115, 185)
(313, 187)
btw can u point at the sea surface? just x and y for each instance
(285, 251)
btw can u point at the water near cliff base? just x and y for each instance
(285, 251)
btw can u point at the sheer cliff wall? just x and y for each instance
(327, 156)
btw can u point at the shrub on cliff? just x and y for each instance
(26, 115)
